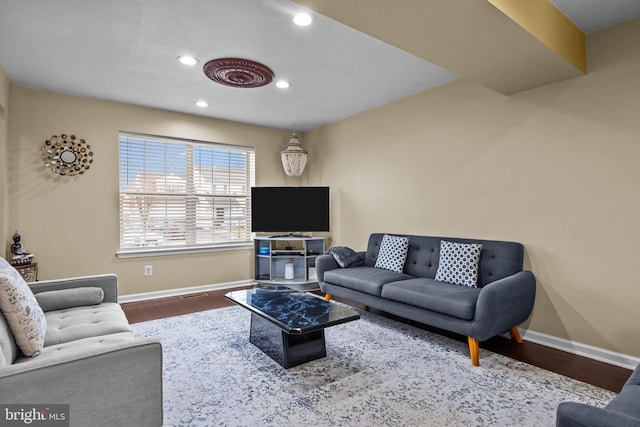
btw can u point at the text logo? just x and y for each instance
(34, 415)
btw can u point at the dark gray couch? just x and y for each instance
(622, 411)
(503, 299)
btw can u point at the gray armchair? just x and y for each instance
(622, 411)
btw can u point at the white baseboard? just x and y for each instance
(585, 350)
(183, 291)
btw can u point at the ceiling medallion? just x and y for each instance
(238, 72)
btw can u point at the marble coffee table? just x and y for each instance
(289, 326)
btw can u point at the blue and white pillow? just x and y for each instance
(459, 263)
(393, 253)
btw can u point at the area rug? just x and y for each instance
(378, 372)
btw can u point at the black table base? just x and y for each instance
(287, 349)
(289, 326)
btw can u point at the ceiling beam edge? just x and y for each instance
(549, 25)
(471, 38)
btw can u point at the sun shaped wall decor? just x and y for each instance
(67, 155)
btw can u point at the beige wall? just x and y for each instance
(5, 92)
(556, 168)
(71, 223)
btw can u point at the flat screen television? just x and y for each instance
(289, 209)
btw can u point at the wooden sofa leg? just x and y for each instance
(515, 334)
(327, 297)
(474, 351)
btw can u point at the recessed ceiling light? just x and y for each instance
(302, 19)
(282, 84)
(202, 104)
(188, 60)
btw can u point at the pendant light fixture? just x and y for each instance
(294, 158)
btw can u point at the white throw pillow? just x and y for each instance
(459, 263)
(393, 253)
(24, 316)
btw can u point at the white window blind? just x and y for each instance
(178, 193)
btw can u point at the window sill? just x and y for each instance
(141, 253)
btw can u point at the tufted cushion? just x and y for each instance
(67, 298)
(21, 310)
(81, 322)
(459, 263)
(80, 348)
(445, 298)
(393, 253)
(369, 280)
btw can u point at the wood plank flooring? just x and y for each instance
(581, 368)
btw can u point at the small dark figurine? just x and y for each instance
(17, 248)
(20, 254)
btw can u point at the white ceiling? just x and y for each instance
(125, 51)
(595, 15)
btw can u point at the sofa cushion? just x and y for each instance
(363, 279)
(21, 310)
(67, 298)
(393, 253)
(445, 298)
(81, 322)
(459, 263)
(80, 348)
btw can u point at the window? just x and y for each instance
(181, 194)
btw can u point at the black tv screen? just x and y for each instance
(289, 209)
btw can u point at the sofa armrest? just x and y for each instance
(502, 304)
(634, 378)
(108, 283)
(573, 414)
(119, 384)
(325, 263)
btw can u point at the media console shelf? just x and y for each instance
(287, 261)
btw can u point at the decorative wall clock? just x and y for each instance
(67, 155)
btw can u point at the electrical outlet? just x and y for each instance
(148, 270)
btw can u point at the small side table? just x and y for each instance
(28, 271)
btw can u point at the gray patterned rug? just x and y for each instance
(378, 372)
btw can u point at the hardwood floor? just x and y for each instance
(581, 368)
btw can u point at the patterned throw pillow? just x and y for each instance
(393, 253)
(19, 306)
(459, 263)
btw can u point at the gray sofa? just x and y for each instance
(622, 411)
(90, 360)
(503, 298)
